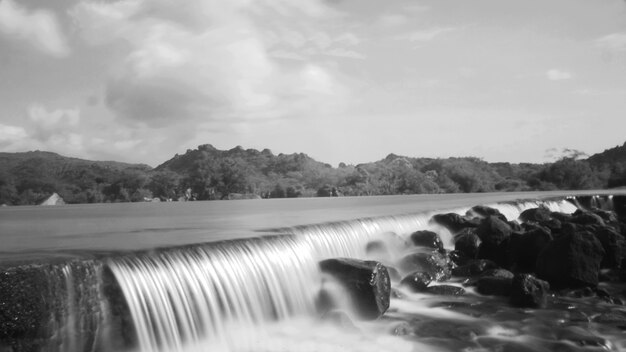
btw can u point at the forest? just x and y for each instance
(207, 173)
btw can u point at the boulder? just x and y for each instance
(474, 268)
(494, 285)
(524, 248)
(416, 281)
(484, 211)
(612, 243)
(497, 253)
(434, 263)
(467, 243)
(366, 282)
(459, 258)
(571, 260)
(453, 222)
(492, 230)
(445, 290)
(538, 214)
(587, 218)
(619, 206)
(529, 292)
(428, 239)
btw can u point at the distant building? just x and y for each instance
(54, 199)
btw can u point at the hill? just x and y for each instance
(208, 173)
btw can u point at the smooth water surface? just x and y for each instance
(30, 231)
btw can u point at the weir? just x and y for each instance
(175, 299)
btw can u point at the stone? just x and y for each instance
(484, 211)
(524, 248)
(571, 260)
(453, 222)
(434, 263)
(612, 243)
(467, 243)
(445, 290)
(498, 253)
(416, 281)
(494, 231)
(529, 292)
(587, 218)
(428, 239)
(474, 268)
(535, 214)
(367, 283)
(494, 286)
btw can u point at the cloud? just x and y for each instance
(40, 28)
(208, 62)
(54, 124)
(11, 135)
(426, 34)
(614, 42)
(558, 75)
(392, 20)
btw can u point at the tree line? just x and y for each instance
(207, 173)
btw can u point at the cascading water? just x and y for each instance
(222, 296)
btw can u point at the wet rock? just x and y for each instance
(434, 263)
(453, 222)
(493, 230)
(367, 283)
(515, 226)
(483, 211)
(529, 292)
(497, 253)
(494, 286)
(583, 338)
(499, 272)
(612, 243)
(562, 217)
(587, 218)
(524, 248)
(428, 239)
(400, 329)
(394, 274)
(571, 260)
(467, 243)
(473, 268)
(615, 317)
(445, 290)
(459, 258)
(417, 281)
(535, 214)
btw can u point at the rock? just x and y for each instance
(535, 214)
(459, 258)
(394, 274)
(475, 267)
(515, 226)
(583, 338)
(529, 292)
(434, 263)
(427, 239)
(524, 248)
(493, 230)
(587, 218)
(612, 243)
(500, 273)
(367, 283)
(498, 253)
(416, 281)
(494, 286)
(467, 243)
(483, 211)
(619, 206)
(571, 260)
(453, 222)
(445, 290)
(562, 217)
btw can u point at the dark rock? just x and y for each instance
(612, 243)
(475, 267)
(427, 239)
(515, 226)
(587, 218)
(571, 260)
(459, 258)
(553, 225)
(494, 286)
(445, 290)
(562, 217)
(619, 206)
(483, 211)
(453, 222)
(493, 230)
(497, 253)
(535, 214)
(416, 281)
(434, 263)
(615, 317)
(467, 243)
(500, 273)
(529, 292)
(525, 248)
(367, 283)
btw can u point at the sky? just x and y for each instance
(340, 80)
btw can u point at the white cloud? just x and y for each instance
(341, 52)
(210, 61)
(39, 27)
(392, 20)
(613, 42)
(11, 134)
(426, 34)
(558, 75)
